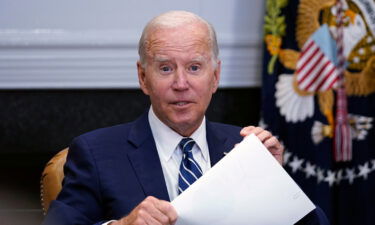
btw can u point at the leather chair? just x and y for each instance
(52, 176)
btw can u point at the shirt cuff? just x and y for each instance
(106, 223)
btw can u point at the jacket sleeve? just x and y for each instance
(79, 202)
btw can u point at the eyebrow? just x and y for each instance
(199, 59)
(160, 59)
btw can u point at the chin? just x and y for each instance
(186, 127)
(182, 123)
(185, 119)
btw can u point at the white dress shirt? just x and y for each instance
(170, 153)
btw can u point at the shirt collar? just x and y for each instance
(168, 139)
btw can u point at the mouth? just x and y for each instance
(181, 104)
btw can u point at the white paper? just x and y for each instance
(248, 186)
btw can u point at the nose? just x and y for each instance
(180, 82)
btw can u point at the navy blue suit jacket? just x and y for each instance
(110, 171)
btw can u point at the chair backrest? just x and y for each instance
(52, 176)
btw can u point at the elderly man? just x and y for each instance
(127, 174)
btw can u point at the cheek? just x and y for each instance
(206, 87)
(159, 91)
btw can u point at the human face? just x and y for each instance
(180, 76)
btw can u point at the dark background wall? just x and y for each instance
(34, 125)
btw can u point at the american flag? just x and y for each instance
(316, 67)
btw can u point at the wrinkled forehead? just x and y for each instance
(194, 58)
(192, 40)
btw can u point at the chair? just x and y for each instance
(52, 176)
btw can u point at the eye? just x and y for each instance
(194, 68)
(165, 69)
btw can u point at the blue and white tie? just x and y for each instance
(190, 171)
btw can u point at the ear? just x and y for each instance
(216, 78)
(142, 78)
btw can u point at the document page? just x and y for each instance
(247, 187)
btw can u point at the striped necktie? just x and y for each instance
(190, 171)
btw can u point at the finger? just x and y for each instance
(264, 135)
(251, 130)
(157, 210)
(276, 148)
(157, 215)
(149, 219)
(167, 209)
(139, 216)
(272, 142)
(246, 130)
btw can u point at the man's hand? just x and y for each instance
(150, 211)
(271, 142)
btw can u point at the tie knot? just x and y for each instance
(186, 144)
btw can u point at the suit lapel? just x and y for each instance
(145, 159)
(218, 144)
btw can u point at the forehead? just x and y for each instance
(188, 40)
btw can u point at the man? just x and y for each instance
(127, 174)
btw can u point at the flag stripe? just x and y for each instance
(323, 85)
(332, 81)
(321, 75)
(306, 51)
(310, 58)
(314, 72)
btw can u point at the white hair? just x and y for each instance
(173, 19)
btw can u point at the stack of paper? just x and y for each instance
(248, 186)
